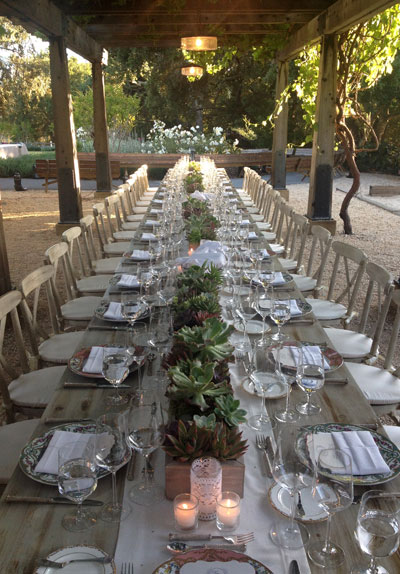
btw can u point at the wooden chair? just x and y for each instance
(295, 242)
(113, 211)
(108, 245)
(350, 262)
(53, 345)
(321, 243)
(29, 390)
(359, 345)
(85, 283)
(126, 225)
(96, 265)
(381, 386)
(76, 308)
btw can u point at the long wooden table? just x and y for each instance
(30, 531)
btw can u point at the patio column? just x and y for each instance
(5, 279)
(103, 170)
(321, 176)
(69, 190)
(279, 142)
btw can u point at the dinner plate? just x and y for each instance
(331, 356)
(174, 565)
(33, 451)
(275, 391)
(254, 327)
(75, 553)
(281, 500)
(99, 313)
(78, 359)
(287, 278)
(389, 451)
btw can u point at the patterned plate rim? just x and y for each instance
(283, 513)
(50, 556)
(40, 443)
(99, 314)
(222, 555)
(82, 354)
(334, 359)
(389, 451)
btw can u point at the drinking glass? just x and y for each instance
(262, 304)
(132, 307)
(265, 374)
(77, 479)
(139, 354)
(112, 453)
(287, 415)
(378, 528)
(145, 435)
(333, 492)
(244, 308)
(280, 314)
(115, 370)
(292, 475)
(310, 376)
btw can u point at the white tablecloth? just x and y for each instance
(144, 535)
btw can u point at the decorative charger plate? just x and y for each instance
(331, 356)
(99, 313)
(281, 500)
(276, 391)
(389, 451)
(78, 359)
(33, 451)
(76, 553)
(287, 278)
(173, 566)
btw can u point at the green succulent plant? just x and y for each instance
(188, 443)
(209, 341)
(205, 422)
(227, 443)
(228, 409)
(200, 279)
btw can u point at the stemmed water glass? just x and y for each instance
(262, 304)
(132, 307)
(145, 435)
(310, 376)
(112, 452)
(77, 479)
(378, 528)
(286, 415)
(115, 370)
(264, 375)
(280, 314)
(244, 308)
(333, 491)
(292, 475)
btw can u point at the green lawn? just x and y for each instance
(24, 164)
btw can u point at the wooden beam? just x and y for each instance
(5, 279)
(279, 143)
(337, 18)
(103, 169)
(45, 17)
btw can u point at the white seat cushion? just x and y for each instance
(264, 226)
(143, 203)
(326, 310)
(13, 438)
(107, 265)
(94, 284)
(288, 264)
(124, 235)
(258, 217)
(304, 283)
(349, 344)
(130, 225)
(35, 389)
(80, 309)
(60, 348)
(137, 217)
(275, 247)
(138, 209)
(252, 210)
(117, 248)
(378, 386)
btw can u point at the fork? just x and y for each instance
(233, 538)
(262, 444)
(127, 568)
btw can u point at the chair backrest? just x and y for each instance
(296, 238)
(73, 238)
(9, 304)
(99, 215)
(394, 333)
(54, 255)
(89, 245)
(112, 204)
(318, 256)
(350, 261)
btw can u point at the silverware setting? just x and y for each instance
(62, 420)
(89, 385)
(262, 444)
(233, 539)
(58, 565)
(181, 547)
(51, 500)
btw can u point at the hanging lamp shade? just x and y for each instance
(194, 70)
(199, 43)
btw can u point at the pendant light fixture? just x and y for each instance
(199, 43)
(189, 69)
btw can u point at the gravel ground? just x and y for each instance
(30, 217)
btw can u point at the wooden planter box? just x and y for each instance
(177, 477)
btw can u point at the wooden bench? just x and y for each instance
(47, 168)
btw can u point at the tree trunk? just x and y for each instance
(347, 142)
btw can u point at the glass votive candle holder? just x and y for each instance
(186, 511)
(228, 510)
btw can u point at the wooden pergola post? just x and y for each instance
(321, 176)
(5, 279)
(69, 192)
(103, 170)
(279, 143)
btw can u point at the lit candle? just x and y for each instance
(186, 511)
(190, 252)
(228, 510)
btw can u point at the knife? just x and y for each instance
(52, 500)
(82, 385)
(62, 420)
(294, 567)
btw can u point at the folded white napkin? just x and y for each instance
(158, 200)
(139, 255)
(231, 567)
(155, 211)
(294, 308)
(275, 248)
(252, 235)
(114, 311)
(245, 222)
(151, 223)
(359, 445)
(49, 461)
(211, 251)
(311, 353)
(278, 280)
(148, 237)
(128, 281)
(94, 362)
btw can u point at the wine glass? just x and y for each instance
(132, 307)
(115, 370)
(378, 528)
(280, 314)
(265, 374)
(77, 479)
(310, 376)
(262, 304)
(145, 435)
(139, 354)
(292, 475)
(333, 492)
(112, 453)
(244, 308)
(286, 415)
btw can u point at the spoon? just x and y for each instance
(181, 547)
